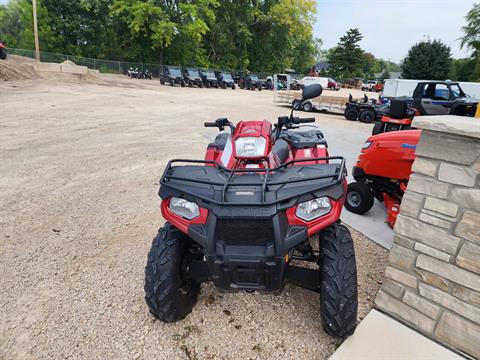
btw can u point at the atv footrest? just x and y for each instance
(304, 277)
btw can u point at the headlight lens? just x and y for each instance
(313, 209)
(366, 145)
(186, 209)
(250, 146)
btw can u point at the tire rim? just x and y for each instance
(353, 199)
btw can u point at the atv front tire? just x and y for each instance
(169, 292)
(359, 198)
(338, 294)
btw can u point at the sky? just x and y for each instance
(391, 27)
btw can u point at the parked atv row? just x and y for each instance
(188, 76)
(246, 216)
(139, 74)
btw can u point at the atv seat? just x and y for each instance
(398, 109)
(280, 150)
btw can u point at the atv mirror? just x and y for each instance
(311, 91)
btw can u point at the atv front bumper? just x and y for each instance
(248, 228)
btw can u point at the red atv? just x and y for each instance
(243, 216)
(3, 50)
(382, 172)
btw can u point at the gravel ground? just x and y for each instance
(78, 209)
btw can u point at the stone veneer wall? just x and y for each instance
(432, 282)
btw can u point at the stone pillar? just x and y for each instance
(432, 282)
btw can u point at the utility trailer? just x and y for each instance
(320, 103)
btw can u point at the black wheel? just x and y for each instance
(260, 88)
(190, 83)
(233, 87)
(182, 84)
(162, 82)
(366, 116)
(207, 85)
(200, 85)
(3, 53)
(215, 85)
(307, 106)
(351, 113)
(224, 85)
(296, 103)
(378, 128)
(359, 198)
(170, 293)
(338, 294)
(172, 82)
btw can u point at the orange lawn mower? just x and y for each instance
(382, 172)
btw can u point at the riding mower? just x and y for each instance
(400, 116)
(247, 215)
(192, 77)
(3, 50)
(171, 75)
(382, 172)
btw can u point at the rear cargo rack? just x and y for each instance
(265, 183)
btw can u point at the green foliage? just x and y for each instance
(427, 60)
(347, 59)
(260, 35)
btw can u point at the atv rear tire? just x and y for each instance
(169, 293)
(3, 54)
(351, 113)
(338, 294)
(233, 86)
(172, 82)
(366, 116)
(359, 198)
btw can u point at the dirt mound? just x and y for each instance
(69, 62)
(15, 59)
(17, 71)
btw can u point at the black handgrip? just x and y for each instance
(210, 124)
(297, 120)
(307, 120)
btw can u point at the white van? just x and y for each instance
(309, 80)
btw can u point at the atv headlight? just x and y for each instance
(186, 209)
(250, 146)
(313, 209)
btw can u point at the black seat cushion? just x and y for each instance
(280, 150)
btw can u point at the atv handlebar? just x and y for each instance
(210, 124)
(297, 120)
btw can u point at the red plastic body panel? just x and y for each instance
(404, 121)
(392, 204)
(179, 222)
(390, 155)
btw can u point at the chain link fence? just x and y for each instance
(104, 66)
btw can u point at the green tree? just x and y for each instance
(471, 40)
(427, 60)
(347, 58)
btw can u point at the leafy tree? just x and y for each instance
(471, 40)
(347, 58)
(427, 60)
(385, 75)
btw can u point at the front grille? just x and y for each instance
(244, 231)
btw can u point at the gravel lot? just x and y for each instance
(78, 209)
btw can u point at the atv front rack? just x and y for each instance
(267, 181)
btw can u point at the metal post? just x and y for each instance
(35, 30)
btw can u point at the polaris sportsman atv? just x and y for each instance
(244, 217)
(192, 77)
